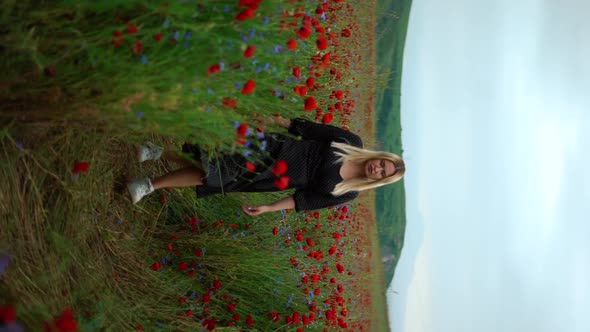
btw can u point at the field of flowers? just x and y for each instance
(85, 81)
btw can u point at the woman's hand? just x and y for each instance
(255, 210)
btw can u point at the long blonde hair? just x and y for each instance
(358, 155)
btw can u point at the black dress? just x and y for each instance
(311, 166)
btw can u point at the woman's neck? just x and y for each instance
(350, 170)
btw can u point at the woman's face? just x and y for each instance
(377, 169)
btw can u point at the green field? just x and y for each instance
(390, 200)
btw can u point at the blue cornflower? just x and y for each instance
(260, 135)
(238, 85)
(144, 59)
(166, 24)
(226, 8)
(277, 49)
(263, 145)
(139, 114)
(258, 69)
(252, 33)
(266, 19)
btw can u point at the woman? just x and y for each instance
(327, 167)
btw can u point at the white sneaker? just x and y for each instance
(139, 188)
(149, 151)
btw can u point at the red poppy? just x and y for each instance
(280, 167)
(292, 44)
(182, 266)
(236, 317)
(250, 166)
(156, 266)
(310, 82)
(346, 33)
(340, 268)
(327, 118)
(242, 129)
(310, 103)
(189, 313)
(65, 322)
(198, 253)
(229, 102)
(158, 36)
(131, 29)
(297, 71)
(206, 298)
(213, 69)
(137, 47)
(231, 307)
(7, 313)
(304, 32)
(249, 87)
(80, 167)
(216, 284)
(245, 14)
(249, 52)
(249, 320)
(282, 182)
(249, 3)
(275, 230)
(118, 41)
(322, 43)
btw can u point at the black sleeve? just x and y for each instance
(322, 132)
(309, 199)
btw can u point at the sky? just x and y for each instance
(496, 136)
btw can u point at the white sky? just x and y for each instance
(496, 134)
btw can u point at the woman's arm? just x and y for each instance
(283, 204)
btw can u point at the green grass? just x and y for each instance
(77, 242)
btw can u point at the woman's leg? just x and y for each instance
(173, 156)
(184, 177)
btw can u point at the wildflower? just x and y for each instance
(310, 103)
(297, 72)
(213, 69)
(327, 118)
(229, 102)
(322, 43)
(245, 14)
(242, 129)
(304, 32)
(156, 266)
(282, 182)
(158, 36)
(249, 87)
(292, 44)
(249, 52)
(182, 266)
(131, 29)
(7, 314)
(80, 167)
(250, 166)
(249, 320)
(280, 167)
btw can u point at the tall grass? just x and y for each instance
(75, 240)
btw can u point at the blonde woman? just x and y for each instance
(327, 166)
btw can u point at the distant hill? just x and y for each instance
(390, 200)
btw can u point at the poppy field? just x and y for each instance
(86, 82)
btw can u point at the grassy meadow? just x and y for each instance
(86, 82)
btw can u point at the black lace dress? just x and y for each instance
(312, 166)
